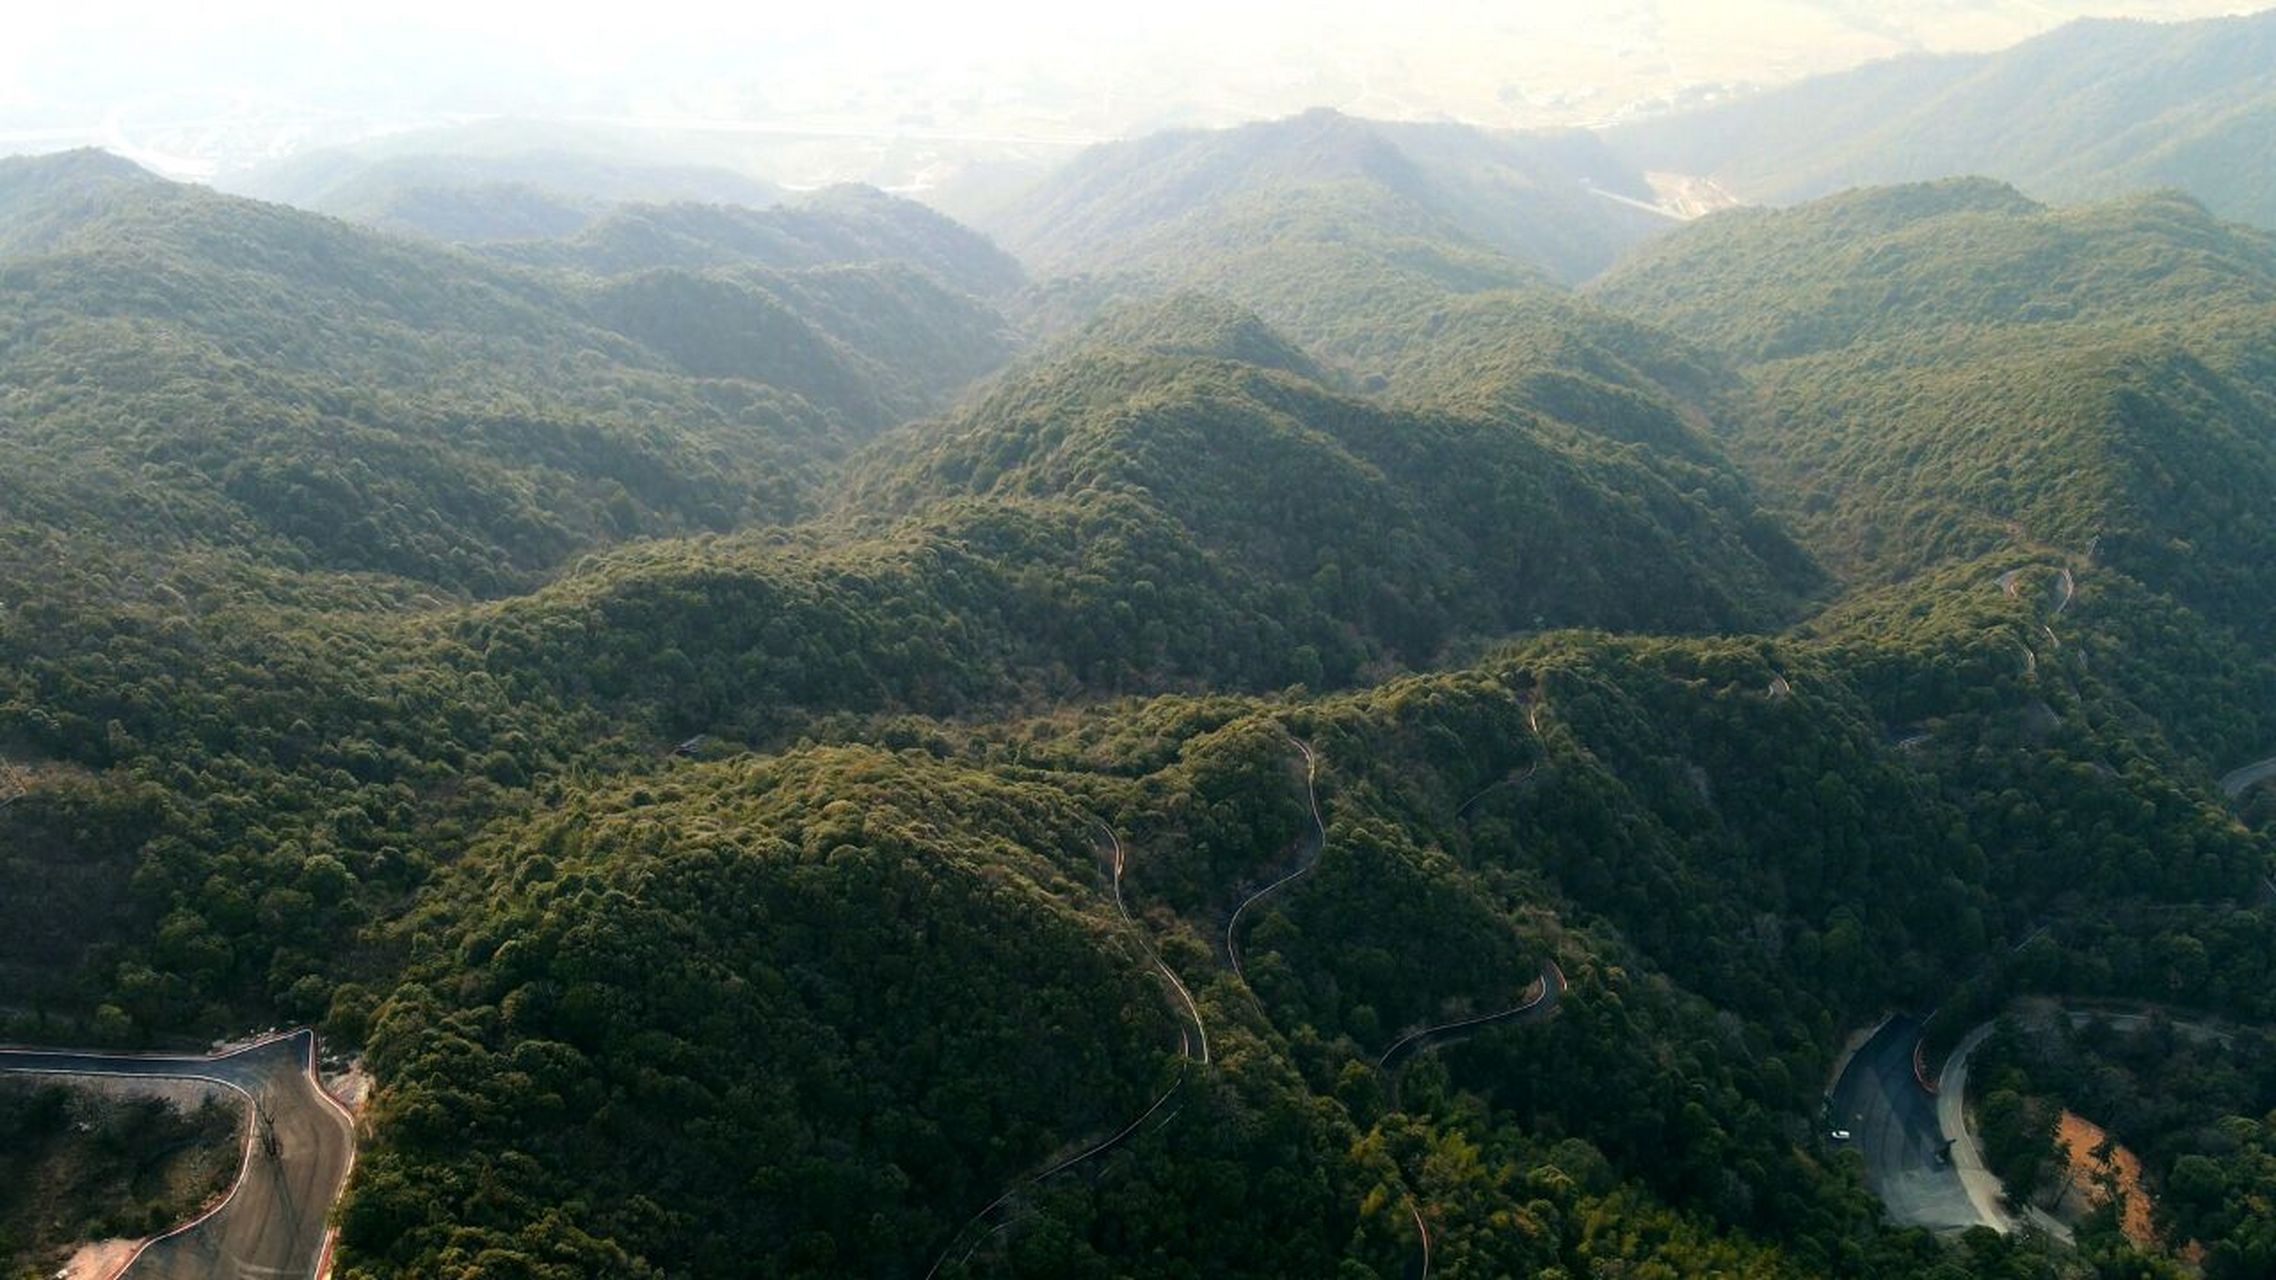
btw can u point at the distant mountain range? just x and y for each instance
(1163, 198)
(2090, 110)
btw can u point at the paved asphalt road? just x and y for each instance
(2250, 776)
(1892, 1121)
(1308, 854)
(272, 1227)
(1982, 1186)
(1545, 992)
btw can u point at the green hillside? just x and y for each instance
(263, 581)
(189, 370)
(1418, 260)
(1254, 460)
(838, 226)
(2088, 111)
(1938, 371)
(474, 212)
(494, 180)
(1554, 801)
(276, 383)
(1439, 193)
(880, 343)
(1121, 519)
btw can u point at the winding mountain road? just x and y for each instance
(1985, 1192)
(1967, 1158)
(272, 1224)
(1422, 1230)
(2239, 781)
(1192, 1010)
(1188, 1055)
(1672, 215)
(1541, 1001)
(1894, 1123)
(1309, 858)
(1506, 780)
(1542, 995)
(1002, 1203)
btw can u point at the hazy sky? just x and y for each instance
(192, 87)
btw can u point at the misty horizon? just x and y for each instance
(902, 95)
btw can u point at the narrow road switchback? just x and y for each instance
(1966, 1157)
(1117, 861)
(1507, 780)
(2239, 781)
(299, 1147)
(1540, 1001)
(1308, 857)
(1193, 1050)
(1892, 1120)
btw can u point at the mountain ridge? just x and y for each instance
(2092, 109)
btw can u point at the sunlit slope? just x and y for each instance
(1940, 370)
(2089, 111)
(193, 368)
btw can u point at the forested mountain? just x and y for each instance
(46, 198)
(192, 369)
(1719, 868)
(1943, 369)
(1441, 193)
(1147, 510)
(471, 212)
(195, 369)
(945, 597)
(504, 183)
(2086, 112)
(1404, 257)
(841, 225)
(880, 342)
(1296, 745)
(1526, 510)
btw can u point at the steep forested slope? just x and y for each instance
(1403, 258)
(246, 452)
(196, 369)
(1121, 518)
(838, 226)
(520, 194)
(254, 440)
(1157, 203)
(1939, 370)
(880, 342)
(185, 368)
(1263, 463)
(1967, 253)
(667, 1020)
(1717, 841)
(2086, 112)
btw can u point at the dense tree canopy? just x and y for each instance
(750, 824)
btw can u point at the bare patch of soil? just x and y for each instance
(2092, 1178)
